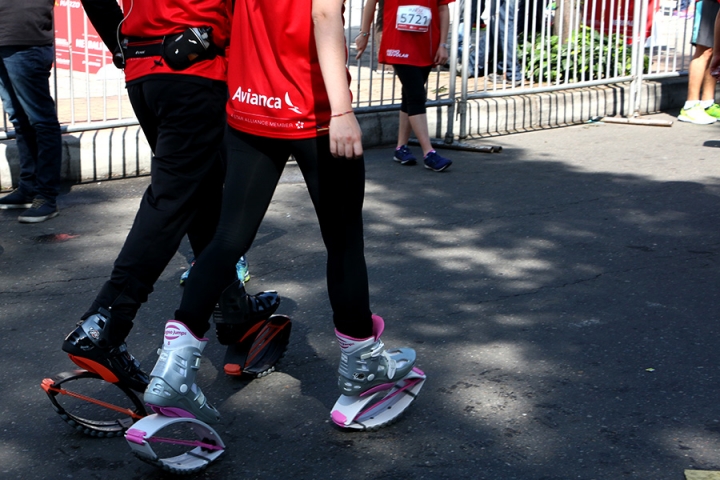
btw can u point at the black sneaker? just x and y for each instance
(88, 348)
(39, 211)
(15, 199)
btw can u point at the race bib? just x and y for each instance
(413, 18)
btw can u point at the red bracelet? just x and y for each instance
(341, 114)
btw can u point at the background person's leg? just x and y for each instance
(28, 69)
(413, 81)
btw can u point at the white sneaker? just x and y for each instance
(696, 115)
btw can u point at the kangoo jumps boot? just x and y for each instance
(236, 311)
(91, 347)
(365, 364)
(377, 385)
(172, 390)
(255, 338)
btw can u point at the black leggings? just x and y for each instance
(337, 189)
(413, 81)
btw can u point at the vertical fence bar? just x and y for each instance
(569, 61)
(449, 135)
(639, 28)
(70, 67)
(523, 62)
(462, 103)
(86, 56)
(358, 70)
(625, 36)
(546, 48)
(612, 17)
(476, 54)
(593, 31)
(559, 15)
(513, 44)
(585, 48)
(578, 35)
(506, 40)
(533, 40)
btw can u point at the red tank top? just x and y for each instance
(274, 78)
(155, 18)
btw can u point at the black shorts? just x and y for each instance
(704, 23)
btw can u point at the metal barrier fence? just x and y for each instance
(507, 47)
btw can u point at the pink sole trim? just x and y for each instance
(338, 418)
(410, 384)
(136, 436)
(173, 412)
(378, 388)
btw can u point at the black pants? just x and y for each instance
(184, 122)
(337, 189)
(413, 81)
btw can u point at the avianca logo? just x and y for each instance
(253, 98)
(290, 105)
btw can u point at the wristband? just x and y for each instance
(341, 114)
(364, 34)
(445, 45)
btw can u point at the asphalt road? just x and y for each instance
(562, 297)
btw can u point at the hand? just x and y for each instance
(361, 42)
(345, 136)
(715, 66)
(441, 57)
(118, 58)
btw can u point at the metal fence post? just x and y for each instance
(449, 135)
(638, 53)
(467, 40)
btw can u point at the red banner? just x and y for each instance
(77, 44)
(616, 17)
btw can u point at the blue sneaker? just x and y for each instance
(186, 273)
(243, 274)
(435, 162)
(404, 156)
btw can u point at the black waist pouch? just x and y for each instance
(191, 46)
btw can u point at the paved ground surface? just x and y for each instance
(562, 296)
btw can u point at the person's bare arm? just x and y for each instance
(345, 134)
(361, 41)
(715, 62)
(441, 56)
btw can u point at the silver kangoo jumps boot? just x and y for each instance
(172, 390)
(365, 364)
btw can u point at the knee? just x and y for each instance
(416, 109)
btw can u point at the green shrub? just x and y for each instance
(553, 61)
